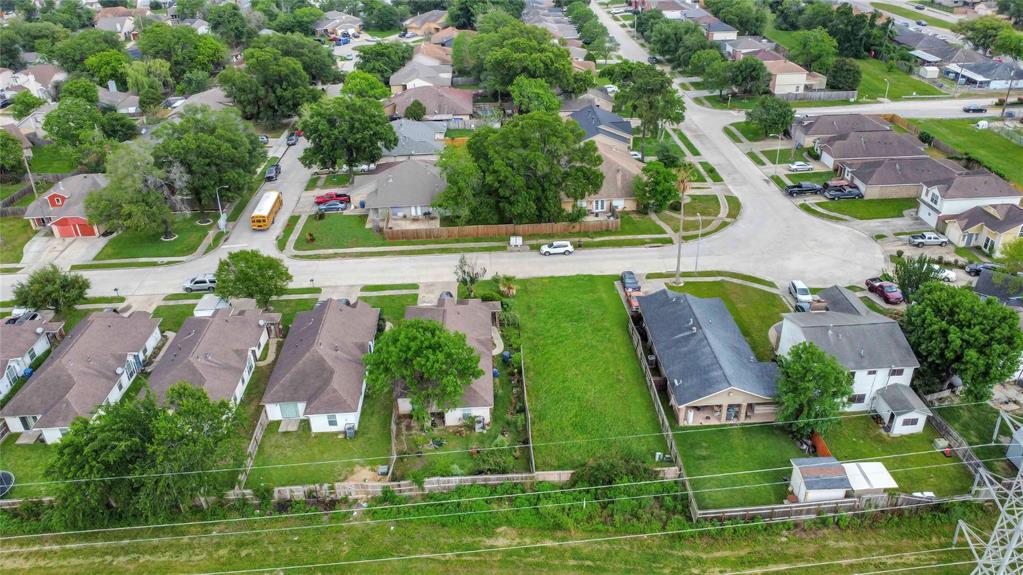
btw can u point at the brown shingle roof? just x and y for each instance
(977, 185)
(438, 53)
(15, 340)
(439, 101)
(998, 218)
(830, 125)
(865, 145)
(783, 67)
(620, 170)
(898, 171)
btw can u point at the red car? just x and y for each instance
(888, 291)
(331, 196)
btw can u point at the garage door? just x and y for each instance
(65, 231)
(84, 230)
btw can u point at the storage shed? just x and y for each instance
(901, 410)
(818, 479)
(869, 478)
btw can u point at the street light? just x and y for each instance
(777, 154)
(699, 236)
(221, 220)
(886, 86)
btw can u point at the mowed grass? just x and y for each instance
(127, 245)
(913, 14)
(582, 386)
(901, 84)
(994, 151)
(870, 209)
(860, 438)
(815, 177)
(976, 423)
(14, 234)
(392, 307)
(371, 447)
(50, 160)
(288, 308)
(172, 316)
(749, 130)
(28, 464)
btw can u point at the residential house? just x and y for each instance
(32, 125)
(598, 122)
(416, 74)
(62, 208)
(617, 192)
(448, 104)
(963, 192)
(818, 479)
(400, 190)
(334, 22)
(319, 374)
(765, 55)
(121, 102)
(446, 36)
(786, 77)
(989, 74)
(577, 52)
(715, 29)
(597, 97)
(901, 410)
(868, 146)
(216, 353)
(198, 24)
(41, 80)
(711, 374)
(929, 50)
(215, 99)
(990, 227)
(475, 319)
(870, 345)
(23, 141)
(584, 66)
(21, 343)
(94, 365)
(742, 45)
(123, 26)
(999, 286)
(431, 54)
(417, 139)
(806, 130)
(897, 178)
(427, 23)
(671, 9)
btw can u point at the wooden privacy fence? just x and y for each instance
(502, 230)
(250, 451)
(821, 95)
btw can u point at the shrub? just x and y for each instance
(926, 138)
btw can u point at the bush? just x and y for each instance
(611, 471)
(490, 296)
(926, 138)
(668, 155)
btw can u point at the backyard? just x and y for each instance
(126, 245)
(28, 464)
(50, 160)
(997, 153)
(976, 423)
(870, 209)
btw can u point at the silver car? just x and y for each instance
(204, 282)
(563, 248)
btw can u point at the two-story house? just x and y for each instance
(871, 346)
(62, 208)
(20, 344)
(41, 80)
(94, 365)
(962, 192)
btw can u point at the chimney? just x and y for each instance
(111, 85)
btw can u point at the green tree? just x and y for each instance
(750, 77)
(50, 288)
(814, 50)
(183, 47)
(70, 14)
(80, 88)
(381, 16)
(955, 333)
(718, 76)
(533, 95)
(415, 111)
(981, 32)
(505, 49)
(12, 164)
(270, 87)
(10, 50)
(68, 124)
(787, 13)
(190, 8)
(72, 53)
(468, 274)
(647, 93)
(748, 17)
(1013, 9)
(771, 114)
(462, 198)
(433, 364)
(136, 198)
(703, 60)
(1011, 257)
(345, 131)
(813, 389)
(300, 21)
(107, 65)
(844, 75)
(194, 81)
(117, 127)
(37, 36)
(365, 85)
(24, 104)
(317, 60)
(911, 273)
(646, 21)
(252, 274)
(463, 13)
(150, 79)
(228, 22)
(383, 59)
(656, 187)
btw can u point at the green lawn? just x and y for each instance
(172, 316)
(750, 131)
(14, 234)
(913, 15)
(815, 177)
(579, 386)
(126, 245)
(715, 273)
(392, 307)
(732, 135)
(818, 213)
(289, 228)
(383, 33)
(388, 287)
(872, 85)
(754, 310)
(458, 133)
(372, 441)
(50, 160)
(289, 307)
(971, 254)
(976, 423)
(861, 438)
(687, 142)
(733, 449)
(711, 172)
(118, 265)
(783, 156)
(997, 153)
(755, 157)
(706, 205)
(870, 209)
(7, 189)
(196, 296)
(28, 464)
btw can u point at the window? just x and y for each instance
(871, 372)
(57, 200)
(332, 420)
(12, 374)
(31, 354)
(934, 198)
(857, 398)
(910, 422)
(897, 372)
(120, 384)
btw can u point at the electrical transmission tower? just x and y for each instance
(1001, 552)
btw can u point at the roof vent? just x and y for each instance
(39, 330)
(119, 371)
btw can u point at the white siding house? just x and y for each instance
(20, 345)
(963, 192)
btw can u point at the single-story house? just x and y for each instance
(41, 80)
(94, 365)
(401, 190)
(965, 191)
(902, 411)
(929, 50)
(121, 102)
(319, 373)
(198, 24)
(742, 45)
(416, 74)
(23, 141)
(869, 478)
(334, 22)
(618, 190)
(584, 66)
(711, 374)
(416, 139)
(20, 345)
(62, 208)
(446, 36)
(124, 26)
(868, 146)
(671, 9)
(870, 345)
(597, 97)
(786, 77)
(431, 54)
(217, 353)
(818, 479)
(450, 104)
(988, 74)
(996, 285)
(427, 23)
(897, 178)
(988, 226)
(214, 98)
(599, 122)
(476, 320)
(715, 29)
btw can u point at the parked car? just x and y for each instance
(803, 188)
(629, 282)
(945, 275)
(333, 196)
(292, 139)
(333, 207)
(843, 193)
(204, 282)
(888, 291)
(360, 169)
(22, 318)
(402, 34)
(653, 60)
(974, 109)
(563, 248)
(975, 269)
(921, 22)
(264, 139)
(611, 89)
(800, 167)
(636, 155)
(799, 291)
(927, 239)
(273, 172)
(920, 7)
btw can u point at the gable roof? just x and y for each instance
(432, 54)
(783, 67)
(117, 100)
(821, 473)
(473, 319)
(938, 49)
(901, 171)
(82, 370)
(750, 44)
(16, 340)
(833, 124)
(700, 348)
(590, 98)
(765, 55)
(437, 16)
(445, 34)
(901, 399)
(211, 352)
(75, 189)
(999, 286)
(853, 334)
(438, 101)
(337, 19)
(594, 121)
(438, 74)
(992, 70)
(997, 217)
(112, 23)
(417, 138)
(979, 184)
(863, 145)
(321, 360)
(407, 183)
(620, 170)
(44, 73)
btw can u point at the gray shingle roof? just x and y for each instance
(435, 74)
(408, 183)
(999, 286)
(595, 121)
(426, 17)
(977, 185)
(417, 138)
(832, 124)
(438, 101)
(75, 189)
(321, 360)
(16, 340)
(998, 217)
(900, 171)
(856, 336)
(822, 473)
(700, 348)
(901, 399)
(864, 145)
(995, 70)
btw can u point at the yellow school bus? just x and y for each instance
(266, 210)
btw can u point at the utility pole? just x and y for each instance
(683, 188)
(31, 180)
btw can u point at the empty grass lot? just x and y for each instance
(127, 245)
(976, 423)
(989, 148)
(28, 464)
(872, 85)
(372, 442)
(392, 307)
(913, 14)
(870, 209)
(581, 387)
(861, 438)
(15, 232)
